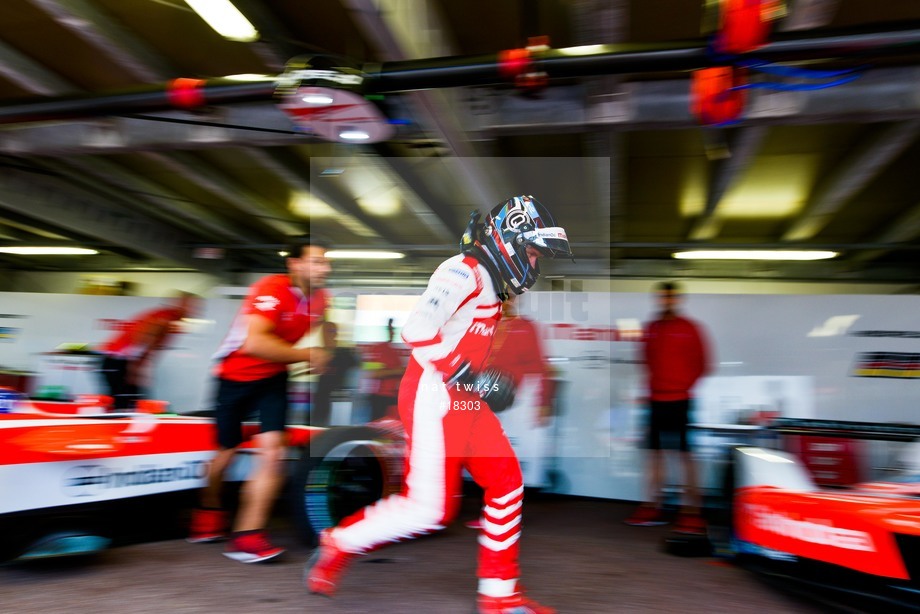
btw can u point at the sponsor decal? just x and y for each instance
(266, 303)
(899, 365)
(811, 530)
(897, 334)
(8, 334)
(482, 328)
(92, 480)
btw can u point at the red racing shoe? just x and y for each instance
(646, 516)
(690, 524)
(251, 547)
(515, 604)
(326, 565)
(208, 525)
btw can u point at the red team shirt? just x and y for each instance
(292, 313)
(517, 352)
(389, 358)
(124, 344)
(676, 355)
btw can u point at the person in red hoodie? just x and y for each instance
(383, 376)
(676, 355)
(518, 352)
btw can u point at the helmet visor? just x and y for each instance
(551, 242)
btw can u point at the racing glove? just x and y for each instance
(492, 386)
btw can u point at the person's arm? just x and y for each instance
(262, 342)
(449, 287)
(541, 368)
(703, 353)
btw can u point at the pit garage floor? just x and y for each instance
(577, 556)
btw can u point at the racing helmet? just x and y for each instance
(507, 231)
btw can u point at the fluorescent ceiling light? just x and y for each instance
(317, 99)
(247, 76)
(48, 251)
(582, 50)
(225, 19)
(343, 254)
(353, 134)
(754, 254)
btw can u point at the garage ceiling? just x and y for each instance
(615, 153)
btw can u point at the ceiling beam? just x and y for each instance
(226, 189)
(118, 183)
(424, 204)
(50, 198)
(251, 124)
(724, 172)
(352, 216)
(30, 75)
(866, 161)
(883, 94)
(896, 237)
(400, 31)
(109, 37)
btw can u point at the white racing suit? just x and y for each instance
(449, 430)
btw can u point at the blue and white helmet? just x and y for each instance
(513, 225)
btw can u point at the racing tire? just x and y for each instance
(340, 472)
(678, 544)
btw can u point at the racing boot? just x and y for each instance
(326, 565)
(208, 525)
(516, 603)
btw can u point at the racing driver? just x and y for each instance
(446, 403)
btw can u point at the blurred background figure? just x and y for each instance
(128, 355)
(335, 376)
(517, 350)
(676, 355)
(382, 368)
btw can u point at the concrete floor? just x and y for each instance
(577, 556)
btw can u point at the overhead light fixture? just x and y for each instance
(754, 254)
(317, 99)
(250, 77)
(225, 19)
(353, 134)
(48, 251)
(346, 254)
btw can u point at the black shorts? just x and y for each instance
(263, 399)
(667, 426)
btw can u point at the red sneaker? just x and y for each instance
(326, 565)
(208, 526)
(473, 524)
(251, 547)
(690, 524)
(646, 516)
(515, 604)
